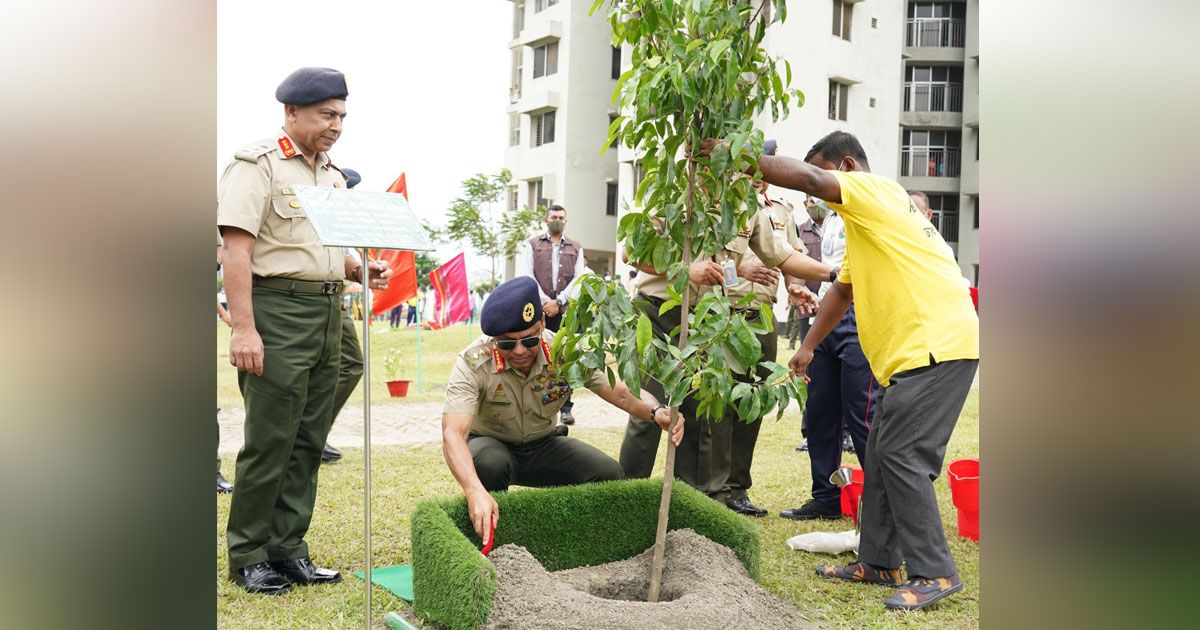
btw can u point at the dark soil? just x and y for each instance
(704, 586)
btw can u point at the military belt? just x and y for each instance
(331, 287)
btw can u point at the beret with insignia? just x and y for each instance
(514, 306)
(312, 85)
(769, 147)
(352, 177)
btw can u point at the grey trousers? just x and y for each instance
(914, 417)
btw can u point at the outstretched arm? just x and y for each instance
(481, 507)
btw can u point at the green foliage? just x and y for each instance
(564, 528)
(425, 265)
(698, 72)
(473, 218)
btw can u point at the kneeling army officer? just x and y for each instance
(501, 402)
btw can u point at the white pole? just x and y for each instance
(366, 287)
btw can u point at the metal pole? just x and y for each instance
(366, 278)
(420, 388)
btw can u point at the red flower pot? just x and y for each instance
(398, 389)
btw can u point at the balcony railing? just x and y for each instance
(927, 162)
(936, 32)
(947, 224)
(933, 97)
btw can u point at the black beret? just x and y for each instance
(514, 306)
(352, 177)
(312, 85)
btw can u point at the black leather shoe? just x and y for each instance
(847, 443)
(260, 578)
(566, 417)
(744, 506)
(302, 571)
(330, 454)
(803, 446)
(813, 510)
(223, 485)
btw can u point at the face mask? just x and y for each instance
(818, 211)
(556, 227)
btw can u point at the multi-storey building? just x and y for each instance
(564, 69)
(902, 77)
(939, 121)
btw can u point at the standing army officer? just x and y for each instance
(501, 403)
(731, 479)
(284, 293)
(698, 457)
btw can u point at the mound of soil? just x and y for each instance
(704, 586)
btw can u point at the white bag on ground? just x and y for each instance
(825, 542)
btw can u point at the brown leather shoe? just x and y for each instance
(921, 592)
(862, 573)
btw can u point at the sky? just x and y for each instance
(428, 85)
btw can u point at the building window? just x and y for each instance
(936, 24)
(512, 198)
(874, 22)
(976, 144)
(838, 98)
(518, 19)
(517, 64)
(976, 266)
(616, 62)
(610, 205)
(541, 5)
(543, 128)
(933, 89)
(841, 19)
(926, 153)
(976, 212)
(514, 129)
(945, 215)
(536, 198)
(611, 118)
(545, 60)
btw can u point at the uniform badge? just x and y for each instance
(746, 232)
(286, 147)
(776, 225)
(499, 360)
(499, 393)
(527, 312)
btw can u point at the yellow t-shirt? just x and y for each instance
(909, 296)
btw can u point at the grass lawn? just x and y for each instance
(404, 475)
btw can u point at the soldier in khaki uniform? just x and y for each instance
(694, 460)
(734, 440)
(501, 403)
(284, 293)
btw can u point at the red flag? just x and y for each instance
(403, 284)
(452, 302)
(400, 186)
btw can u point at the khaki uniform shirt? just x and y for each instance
(256, 195)
(783, 226)
(506, 404)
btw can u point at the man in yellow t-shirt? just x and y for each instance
(919, 332)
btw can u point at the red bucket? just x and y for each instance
(963, 475)
(851, 494)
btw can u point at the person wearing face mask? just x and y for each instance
(285, 301)
(555, 262)
(810, 235)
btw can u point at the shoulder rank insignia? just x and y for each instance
(286, 148)
(499, 360)
(546, 351)
(251, 152)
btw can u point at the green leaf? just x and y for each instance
(652, 62)
(668, 305)
(644, 332)
(718, 48)
(739, 391)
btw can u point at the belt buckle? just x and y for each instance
(329, 288)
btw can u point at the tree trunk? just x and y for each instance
(664, 504)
